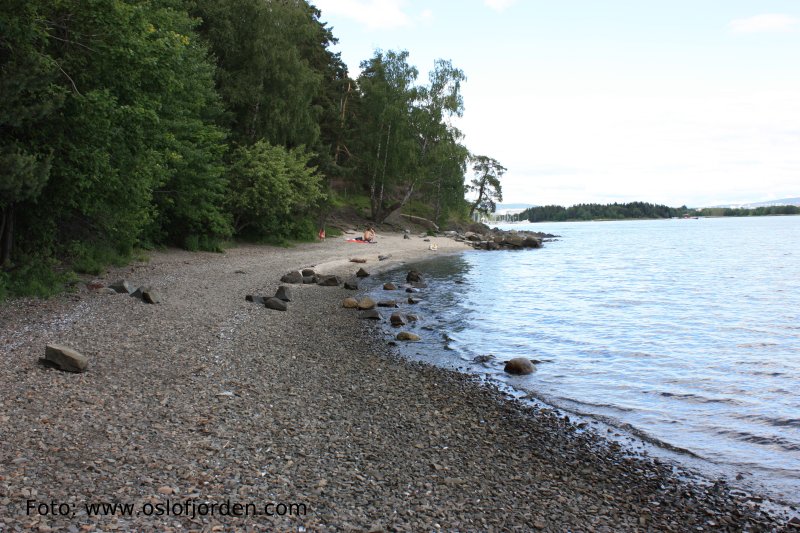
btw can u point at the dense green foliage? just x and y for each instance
(134, 123)
(615, 211)
(744, 212)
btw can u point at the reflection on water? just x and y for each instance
(688, 330)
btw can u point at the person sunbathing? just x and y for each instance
(369, 235)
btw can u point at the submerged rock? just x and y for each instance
(66, 358)
(414, 276)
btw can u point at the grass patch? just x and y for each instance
(37, 277)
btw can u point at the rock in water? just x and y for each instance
(407, 336)
(366, 303)
(413, 301)
(66, 358)
(519, 366)
(483, 358)
(122, 286)
(389, 286)
(329, 281)
(387, 303)
(362, 273)
(397, 319)
(276, 304)
(284, 293)
(351, 284)
(350, 303)
(371, 314)
(292, 277)
(255, 299)
(414, 276)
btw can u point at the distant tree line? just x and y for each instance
(615, 211)
(745, 212)
(130, 123)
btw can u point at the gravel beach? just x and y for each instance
(205, 402)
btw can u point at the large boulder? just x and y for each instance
(350, 303)
(284, 293)
(65, 358)
(407, 336)
(276, 304)
(519, 366)
(329, 281)
(414, 276)
(294, 276)
(366, 303)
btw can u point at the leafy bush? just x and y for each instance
(273, 192)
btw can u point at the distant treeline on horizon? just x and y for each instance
(643, 210)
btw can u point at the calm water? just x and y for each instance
(688, 331)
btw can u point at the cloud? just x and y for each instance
(426, 16)
(499, 5)
(767, 23)
(374, 14)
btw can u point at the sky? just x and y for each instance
(682, 102)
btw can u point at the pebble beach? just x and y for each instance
(305, 419)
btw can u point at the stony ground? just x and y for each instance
(208, 398)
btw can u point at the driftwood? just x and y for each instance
(422, 222)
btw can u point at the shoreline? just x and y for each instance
(208, 397)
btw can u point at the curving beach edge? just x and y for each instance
(207, 412)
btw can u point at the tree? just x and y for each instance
(486, 184)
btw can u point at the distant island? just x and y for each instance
(644, 210)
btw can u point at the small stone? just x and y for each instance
(294, 276)
(370, 314)
(362, 273)
(284, 293)
(407, 336)
(329, 281)
(122, 286)
(518, 366)
(413, 276)
(387, 303)
(66, 358)
(366, 303)
(389, 286)
(358, 260)
(412, 317)
(350, 303)
(166, 490)
(413, 300)
(276, 304)
(397, 319)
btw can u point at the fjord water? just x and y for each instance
(688, 331)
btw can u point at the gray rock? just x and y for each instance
(407, 336)
(309, 280)
(294, 276)
(410, 289)
(362, 273)
(276, 304)
(308, 273)
(66, 358)
(405, 236)
(122, 286)
(387, 303)
(284, 293)
(412, 317)
(413, 300)
(351, 284)
(255, 299)
(151, 296)
(397, 319)
(518, 366)
(370, 314)
(389, 286)
(328, 281)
